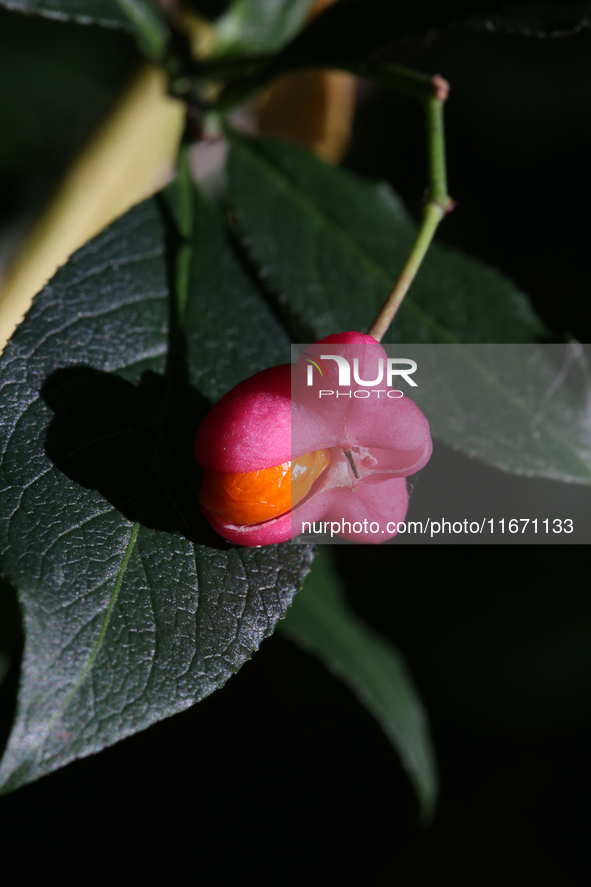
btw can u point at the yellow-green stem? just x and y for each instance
(431, 217)
(438, 202)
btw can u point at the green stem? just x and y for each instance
(185, 187)
(436, 154)
(431, 217)
(438, 200)
(411, 83)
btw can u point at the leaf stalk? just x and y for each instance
(438, 203)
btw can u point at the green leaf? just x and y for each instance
(329, 246)
(320, 621)
(133, 608)
(533, 18)
(523, 408)
(350, 30)
(100, 12)
(258, 26)
(142, 17)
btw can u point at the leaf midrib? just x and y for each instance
(56, 717)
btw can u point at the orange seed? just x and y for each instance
(257, 496)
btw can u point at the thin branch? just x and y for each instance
(432, 93)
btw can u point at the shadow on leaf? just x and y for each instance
(131, 443)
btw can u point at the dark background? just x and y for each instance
(283, 773)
